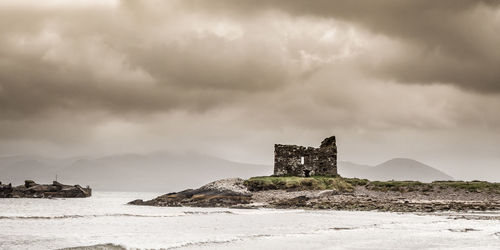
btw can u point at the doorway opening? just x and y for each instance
(307, 173)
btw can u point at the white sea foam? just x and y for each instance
(105, 219)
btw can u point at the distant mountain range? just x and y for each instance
(395, 169)
(128, 172)
(164, 172)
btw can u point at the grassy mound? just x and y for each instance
(341, 184)
(471, 186)
(298, 183)
(409, 186)
(356, 181)
(401, 186)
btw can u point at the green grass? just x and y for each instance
(398, 186)
(356, 181)
(298, 183)
(341, 184)
(406, 186)
(471, 186)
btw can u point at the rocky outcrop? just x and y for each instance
(235, 193)
(392, 204)
(31, 189)
(221, 193)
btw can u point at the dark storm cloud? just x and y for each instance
(158, 56)
(123, 60)
(446, 41)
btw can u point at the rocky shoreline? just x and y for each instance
(233, 193)
(30, 189)
(221, 193)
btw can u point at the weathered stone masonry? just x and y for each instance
(293, 160)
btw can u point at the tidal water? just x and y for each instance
(104, 218)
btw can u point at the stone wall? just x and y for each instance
(293, 160)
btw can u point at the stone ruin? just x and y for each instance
(293, 160)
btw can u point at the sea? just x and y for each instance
(105, 221)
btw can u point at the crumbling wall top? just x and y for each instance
(328, 142)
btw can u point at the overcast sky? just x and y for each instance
(390, 78)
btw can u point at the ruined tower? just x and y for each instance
(293, 160)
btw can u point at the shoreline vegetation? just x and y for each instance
(348, 184)
(337, 193)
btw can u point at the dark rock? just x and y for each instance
(222, 193)
(462, 230)
(30, 189)
(29, 183)
(6, 190)
(296, 202)
(136, 202)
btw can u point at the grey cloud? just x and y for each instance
(157, 56)
(213, 63)
(447, 41)
(62, 59)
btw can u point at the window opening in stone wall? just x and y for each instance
(302, 160)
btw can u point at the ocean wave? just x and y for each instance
(207, 212)
(75, 216)
(216, 242)
(107, 246)
(112, 246)
(39, 217)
